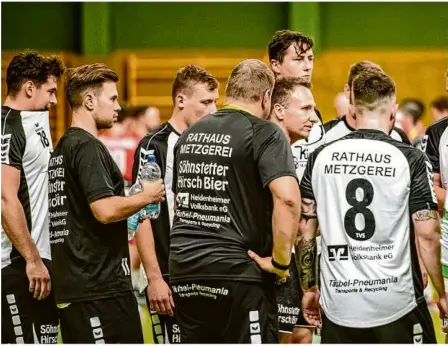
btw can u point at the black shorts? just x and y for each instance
(25, 319)
(289, 299)
(111, 320)
(222, 311)
(164, 328)
(416, 327)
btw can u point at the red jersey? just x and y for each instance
(122, 148)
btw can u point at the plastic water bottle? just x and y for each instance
(148, 173)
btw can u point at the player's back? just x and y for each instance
(224, 163)
(366, 186)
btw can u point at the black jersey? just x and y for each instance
(90, 259)
(160, 143)
(223, 165)
(366, 187)
(27, 145)
(435, 144)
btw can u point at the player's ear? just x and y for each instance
(351, 109)
(279, 112)
(347, 91)
(29, 88)
(266, 101)
(393, 115)
(180, 100)
(275, 66)
(88, 100)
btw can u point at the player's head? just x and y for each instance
(439, 108)
(341, 104)
(251, 83)
(93, 89)
(293, 107)
(354, 71)
(32, 79)
(195, 93)
(410, 111)
(374, 97)
(291, 54)
(151, 118)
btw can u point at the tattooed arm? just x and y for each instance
(306, 248)
(427, 229)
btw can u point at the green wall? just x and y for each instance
(350, 25)
(214, 25)
(45, 26)
(81, 27)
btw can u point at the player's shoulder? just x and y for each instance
(11, 121)
(158, 136)
(437, 128)
(331, 124)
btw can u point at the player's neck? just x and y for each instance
(372, 122)
(274, 120)
(17, 104)
(178, 122)
(83, 120)
(254, 109)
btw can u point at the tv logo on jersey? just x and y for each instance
(183, 200)
(338, 252)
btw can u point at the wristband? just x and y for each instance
(279, 266)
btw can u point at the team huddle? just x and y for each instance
(272, 224)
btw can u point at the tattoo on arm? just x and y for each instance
(309, 209)
(425, 215)
(306, 263)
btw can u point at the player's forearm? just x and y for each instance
(146, 249)
(306, 247)
(116, 208)
(14, 224)
(285, 223)
(440, 194)
(427, 227)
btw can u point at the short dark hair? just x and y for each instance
(282, 39)
(249, 81)
(440, 103)
(412, 107)
(190, 75)
(85, 77)
(361, 67)
(31, 66)
(284, 87)
(371, 88)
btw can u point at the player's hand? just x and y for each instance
(154, 191)
(266, 265)
(311, 307)
(442, 304)
(39, 277)
(160, 297)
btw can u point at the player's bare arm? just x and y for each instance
(439, 189)
(14, 223)
(159, 293)
(116, 208)
(306, 247)
(306, 250)
(427, 229)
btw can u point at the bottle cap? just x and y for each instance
(151, 158)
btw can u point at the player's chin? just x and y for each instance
(305, 132)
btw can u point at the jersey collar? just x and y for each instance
(236, 108)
